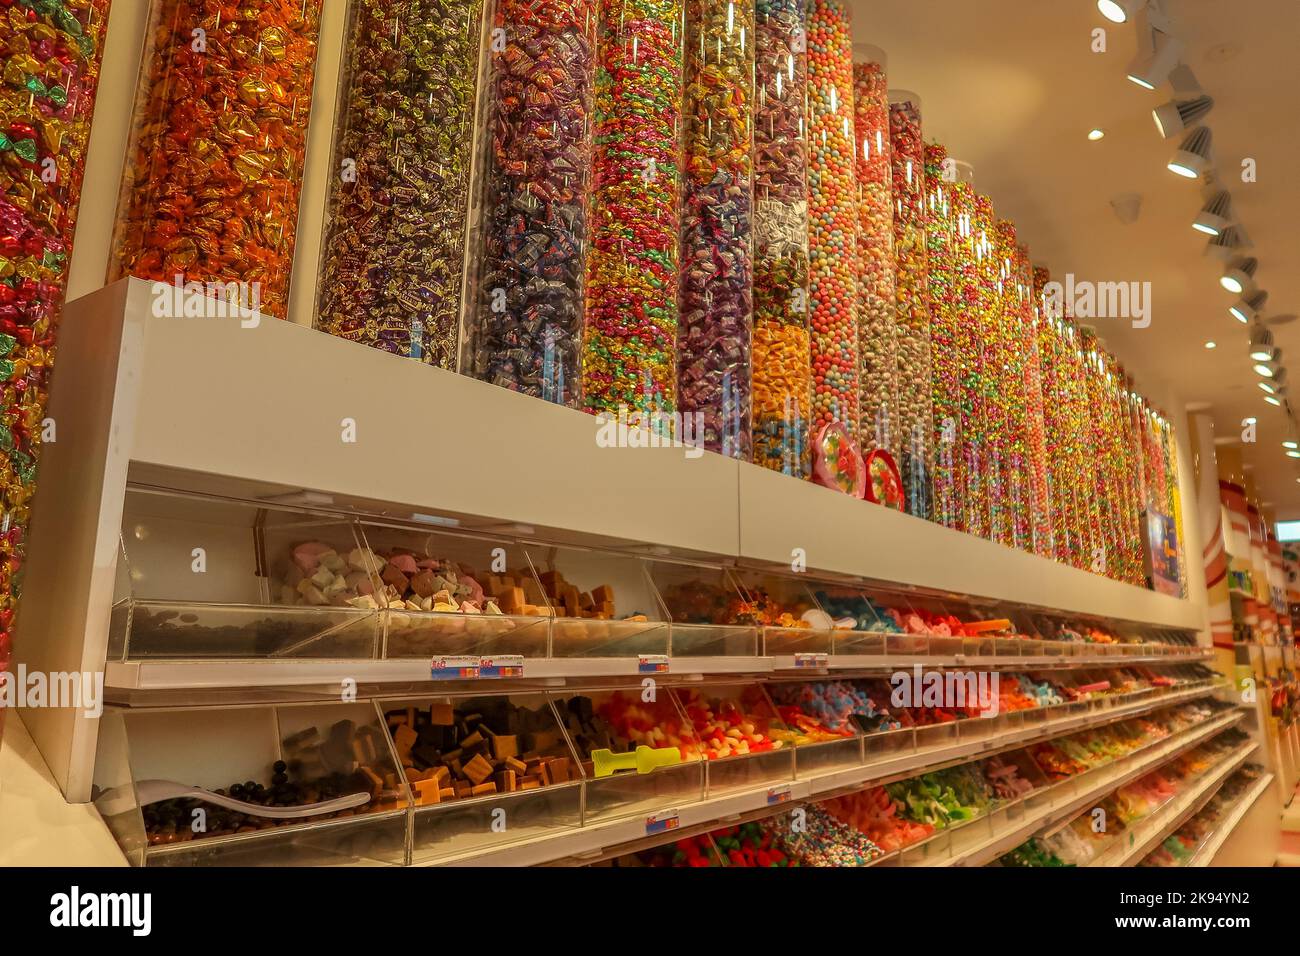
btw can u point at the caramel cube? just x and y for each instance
(478, 769)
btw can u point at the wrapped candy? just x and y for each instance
(52, 53)
(525, 328)
(629, 355)
(215, 166)
(944, 255)
(394, 255)
(717, 269)
(911, 282)
(782, 396)
(985, 493)
(876, 305)
(832, 217)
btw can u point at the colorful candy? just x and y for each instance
(833, 217)
(782, 395)
(216, 163)
(716, 297)
(945, 259)
(525, 332)
(629, 342)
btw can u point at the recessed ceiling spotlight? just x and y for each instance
(1177, 115)
(1248, 309)
(1119, 11)
(1215, 216)
(1261, 345)
(1239, 277)
(1211, 345)
(1192, 159)
(1096, 134)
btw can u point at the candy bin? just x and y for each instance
(782, 396)
(794, 626)
(629, 355)
(706, 608)
(738, 729)
(717, 269)
(484, 771)
(833, 218)
(817, 717)
(524, 328)
(639, 751)
(943, 255)
(215, 164)
(52, 53)
(252, 785)
(393, 260)
(911, 282)
(876, 296)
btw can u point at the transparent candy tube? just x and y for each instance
(524, 331)
(717, 268)
(876, 305)
(394, 256)
(1040, 497)
(911, 281)
(944, 257)
(215, 163)
(986, 449)
(782, 397)
(833, 217)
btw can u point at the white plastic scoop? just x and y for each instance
(122, 799)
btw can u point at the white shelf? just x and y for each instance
(1208, 850)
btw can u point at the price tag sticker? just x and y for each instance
(811, 661)
(508, 665)
(662, 821)
(652, 664)
(782, 794)
(454, 668)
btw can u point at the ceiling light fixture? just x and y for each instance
(1231, 242)
(1158, 51)
(1239, 277)
(1261, 344)
(1215, 216)
(1192, 159)
(1177, 115)
(1269, 368)
(1119, 11)
(1211, 345)
(1273, 400)
(1266, 387)
(1247, 310)
(1096, 134)
(1292, 446)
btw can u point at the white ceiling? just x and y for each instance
(1013, 87)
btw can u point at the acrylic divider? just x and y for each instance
(524, 319)
(945, 260)
(215, 164)
(717, 269)
(629, 355)
(833, 217)
(912, 295)
(782, 348)
(52, 59)
(876, 296)
(393, 262)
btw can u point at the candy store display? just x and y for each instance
(833, 217)
(717, 270)
(393, 260)
(629, 354)
(981, 359)
(51, 71)
(524, 329)
(876, 296)
(782, 356)
(824, 841)
(215, 164)
(944, 255)
(912, 295)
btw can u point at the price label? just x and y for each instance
(782, 794)
(661, 822)
(813, 661)
(652, 664)
(454, 668)
(509, 665)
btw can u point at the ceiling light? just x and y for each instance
(1211, 345)
(1096, 134)
(1273, 400)
(1269, 369)
(1177, 115)
(1215, 216)
(1231, 242)
(1239, 277)
(1293, 454)
(1119, 11)
(1193, 156)
(1248, 309)
(1266, 387)
(1261, 345)
(1250, 421)
(1291, 445)
(1158, 54)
